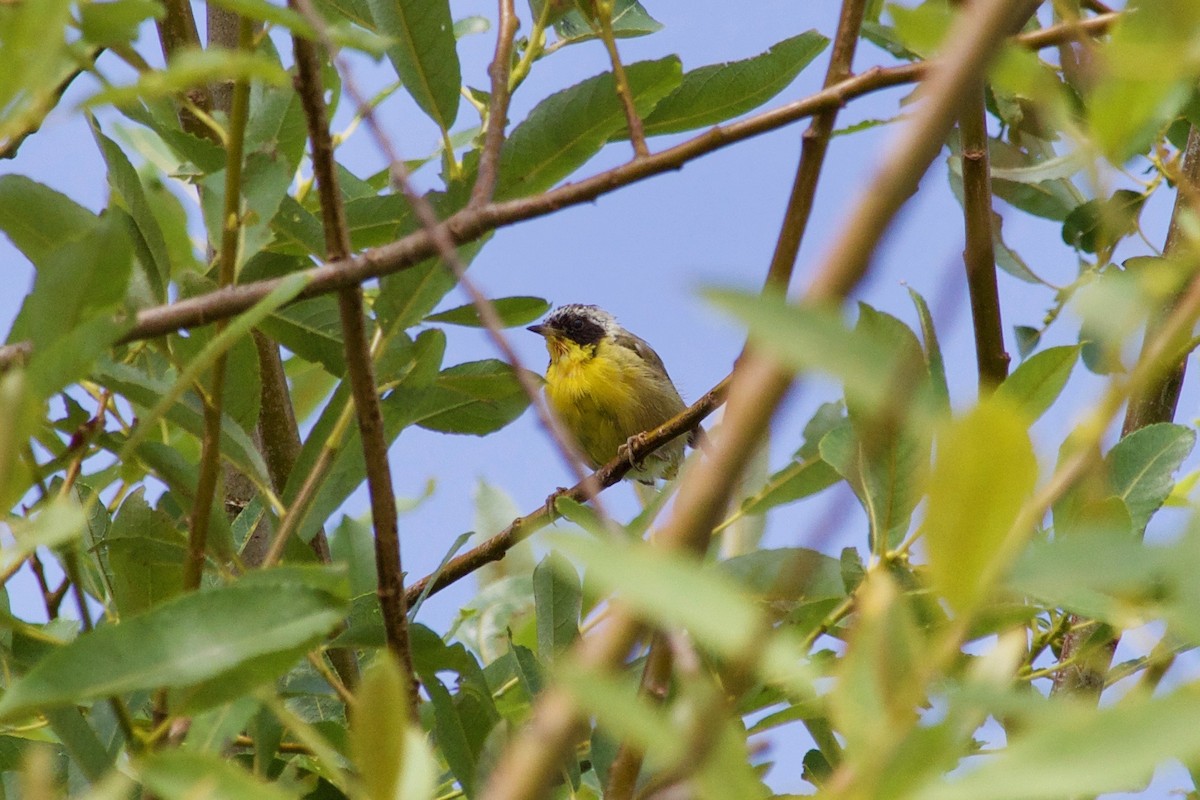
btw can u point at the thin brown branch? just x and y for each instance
(608, 475)
(360, 369)
(210, 453)
(177, 31)
(1154, 401)
(979, 255)
(656, 681)
(637, 132)
(530, 762)
(497, 117)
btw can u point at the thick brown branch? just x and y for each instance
(359, 367)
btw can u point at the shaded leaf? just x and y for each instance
(425, 53)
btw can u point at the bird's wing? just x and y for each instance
(643, 349)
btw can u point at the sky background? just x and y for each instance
(646, 253)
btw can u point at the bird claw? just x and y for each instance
(625, 451)
(551, 511)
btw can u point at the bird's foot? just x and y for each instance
(625, 451)
(551, 511)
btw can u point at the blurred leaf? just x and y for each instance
(557, 597)
(59, 522)
(1096, 227)
(1039, 380)
(629, 19)
(116, 22)
(191, 68)
(1147, 73)
(569, 127)
(1076, 749)
(512, 311)
(1143, 464)
(718, 92)
(791, 573)
(181, 643)
(390, 753)
(36, 60)
(1027, 339)
(340, 34)
(425, 53)
(38, 220)
(922, 28)
(984, 471)
(265, 181)
(873, 692)
(181, 774)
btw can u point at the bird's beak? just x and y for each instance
(540, 330)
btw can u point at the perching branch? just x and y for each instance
(360, 369)
(531, 760)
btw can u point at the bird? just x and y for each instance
(607, 387)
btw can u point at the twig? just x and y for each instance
(177, 31)
(360, 369)
(1155, 401)
(759, 385)
(210, 454)
(497, 117)
(471, 223)
(637, 133)
(979, 255)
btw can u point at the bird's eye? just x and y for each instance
(575, 325)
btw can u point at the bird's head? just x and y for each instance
(576, 327)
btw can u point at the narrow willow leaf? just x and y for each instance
(1143, 464)
(341, 35)
(629, 18)
(984, 472)
(1037, 382)
(933, 351)
(127, 187)
(191, 68)
(311, 329)
(425, 53)
(569, 127)
(477, 398)
(557, 597)
(512, 311)
(191, 639)
(715, 93)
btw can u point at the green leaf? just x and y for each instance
(512, 311)
(145, 553)
(1096, 226)
(569, 127)
(406, 297)
(1079, 750)
(425, 53)
(629, 19)
(391, 755)
(1039, 380)
(558, 598)
(1142, 466)
(38, 220)
(478, 397)
(265, 181)
(713, 94)
(116, 22)
(36, 61)
(984, 472)
(933, 351)
(340, 34)
(791, 573)
(201, 636)
(181, 774)
(311, 329)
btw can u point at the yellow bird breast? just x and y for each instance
(606, 394)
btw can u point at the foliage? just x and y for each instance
(982, 572)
